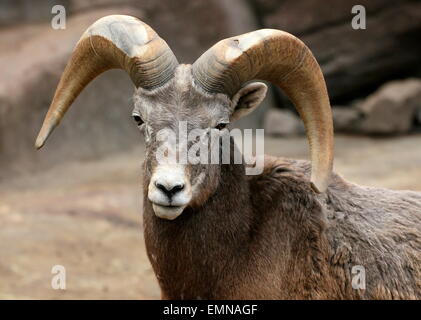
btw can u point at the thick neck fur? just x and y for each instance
(242, 243)
(193, 254)
(270, 237)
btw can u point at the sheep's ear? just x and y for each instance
(247, 99)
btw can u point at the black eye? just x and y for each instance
(138, 119)
(221, 126)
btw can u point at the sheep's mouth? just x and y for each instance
(169, 212)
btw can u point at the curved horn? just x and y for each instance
(284, 60)
(115, 41)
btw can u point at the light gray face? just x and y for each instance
(181, 108)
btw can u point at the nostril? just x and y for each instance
(177, 188)
(169, 191)
(161, 187)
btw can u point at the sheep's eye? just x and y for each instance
(138, 119)
(221, 126)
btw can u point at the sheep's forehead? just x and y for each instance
(181, 100)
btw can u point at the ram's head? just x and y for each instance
(202, 98)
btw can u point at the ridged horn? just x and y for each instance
(284, 60)
(115, 41)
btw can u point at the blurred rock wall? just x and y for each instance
(354, 62)
(33, 55)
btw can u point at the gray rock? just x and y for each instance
(418, 116)
(282, 123)
(392, 108)
(353, 61)
(345, 118)
(33, 56)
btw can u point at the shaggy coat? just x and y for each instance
(232, 235)
(271, 237)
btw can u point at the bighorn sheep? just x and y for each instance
(213, 232)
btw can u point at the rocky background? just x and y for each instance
(371, 74)
(77, 202)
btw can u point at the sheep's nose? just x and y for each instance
(169, 189)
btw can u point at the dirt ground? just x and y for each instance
(86, 216)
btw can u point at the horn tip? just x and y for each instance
(318, 187)
(46, 130)
(39, 143)
(42, 137)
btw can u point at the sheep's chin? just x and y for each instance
(168, 213)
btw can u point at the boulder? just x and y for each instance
(33, 56)
(282, 123)
(418, 116)
(391, 109)
(31, 66)
(345, 119)
(189, 27)
(354, 62)
(16, 12)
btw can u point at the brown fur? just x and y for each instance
(233, 236)
(271, 237)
